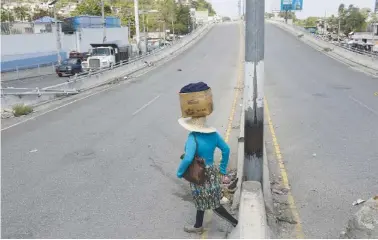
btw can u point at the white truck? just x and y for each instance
(106, 55)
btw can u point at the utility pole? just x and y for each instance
(103, 20)
(254, 89)
(239, 8)
(173, 30)
(338, 31)
(144, 30)
(57, 32)
(136, 13)
(325, 22)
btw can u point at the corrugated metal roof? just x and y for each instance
(46, 19)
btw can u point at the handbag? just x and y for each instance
(195, 173)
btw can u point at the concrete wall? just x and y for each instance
(24, 50)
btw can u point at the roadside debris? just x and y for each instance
(287, 219)
(33, 151)
(179, 69)
(281, 191)
(358, 202)
(364, 223)
(232, 185)
(224, 201)
(314, 154)
(229, 186)
(7, 114)
(149, 64)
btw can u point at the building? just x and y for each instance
(201, 16)
(45, 25)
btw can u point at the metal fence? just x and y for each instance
(31, 71)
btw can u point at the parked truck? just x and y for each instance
(106, 55)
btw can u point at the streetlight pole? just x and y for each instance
(136, 13)
(57, 32)
(103, 20)
(254, 89)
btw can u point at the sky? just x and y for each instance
(317, 8)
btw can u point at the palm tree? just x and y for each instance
(341, 9)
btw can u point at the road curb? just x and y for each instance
(266, 183)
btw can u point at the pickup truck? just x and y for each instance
(70, 66)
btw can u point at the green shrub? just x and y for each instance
(21, 109)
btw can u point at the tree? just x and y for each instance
(39, 13)
(352, 18)
(202, 5)
(21, 13)
(269, 15)
(91, 7)
(341, 9)
(311, 21)
(167, 10)
(290, 15)
(183, 20)
(6, 15)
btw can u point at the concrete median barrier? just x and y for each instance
(249, 198)
(252, 215)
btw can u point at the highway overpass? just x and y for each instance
(104, 166)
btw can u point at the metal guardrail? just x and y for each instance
(371, 54)
(36, 91)
(66, 87)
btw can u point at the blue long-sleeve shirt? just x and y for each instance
(207, 142)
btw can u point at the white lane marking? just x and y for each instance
(56, 108)
(145, 105)
(364, 105)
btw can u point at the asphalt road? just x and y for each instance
(105, 166)
(325, 116)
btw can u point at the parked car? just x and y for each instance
(70, 66)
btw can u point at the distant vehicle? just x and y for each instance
(70, 66)
(83, 56)
(106, 55)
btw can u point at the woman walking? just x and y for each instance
(202, 142)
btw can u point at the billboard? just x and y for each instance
(292, 5)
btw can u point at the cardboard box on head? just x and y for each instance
(196, 104)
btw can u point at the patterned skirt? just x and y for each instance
(208, 195)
